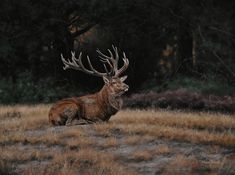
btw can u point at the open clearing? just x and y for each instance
(132, 142)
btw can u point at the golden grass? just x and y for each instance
(164, 124)
(181, 134)
(137, 139)
(20, 155)
(132, 140)
(20, 137)
(104, 129)
(133, 127)
(85, 161)
(71, 132)
(142, 155)
(145, 155)
(81, 142)
(26, 110)
(200, 127)
(176, 119)
(15, 118)
(70, 137)
(182, 165)
(110, 142)
(162, 149)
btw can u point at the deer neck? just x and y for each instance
(109, 99)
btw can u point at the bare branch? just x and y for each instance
(83, 30)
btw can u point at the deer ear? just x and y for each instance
(123, 78)
(106, 80)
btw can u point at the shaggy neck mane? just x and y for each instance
(105, 97)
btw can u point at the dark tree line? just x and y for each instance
(162, 38)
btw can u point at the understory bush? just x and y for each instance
(208, 86)
(181, 99)
(26, 90)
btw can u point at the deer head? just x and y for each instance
(112, 75)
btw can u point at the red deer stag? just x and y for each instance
(96, 107)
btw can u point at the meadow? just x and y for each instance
(133, 142)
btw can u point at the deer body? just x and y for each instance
(91, 108)
(98, 107)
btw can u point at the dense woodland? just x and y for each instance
(170, 45)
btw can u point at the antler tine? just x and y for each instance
(68, 64)
(109, 73)
(112, 62)
(125, 66)
(78, 65)
(92, 68)
(103, 56)
(116, 53)
(106, 61)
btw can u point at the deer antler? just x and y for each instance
(77, 64)
(113, 62)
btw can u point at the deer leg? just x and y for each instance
(69, 122)
(80, 122)
(71, 115)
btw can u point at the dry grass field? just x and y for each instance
(132, 142)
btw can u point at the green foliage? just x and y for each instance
(26, 90)
(208, 86)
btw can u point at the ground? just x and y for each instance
(132, 142)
